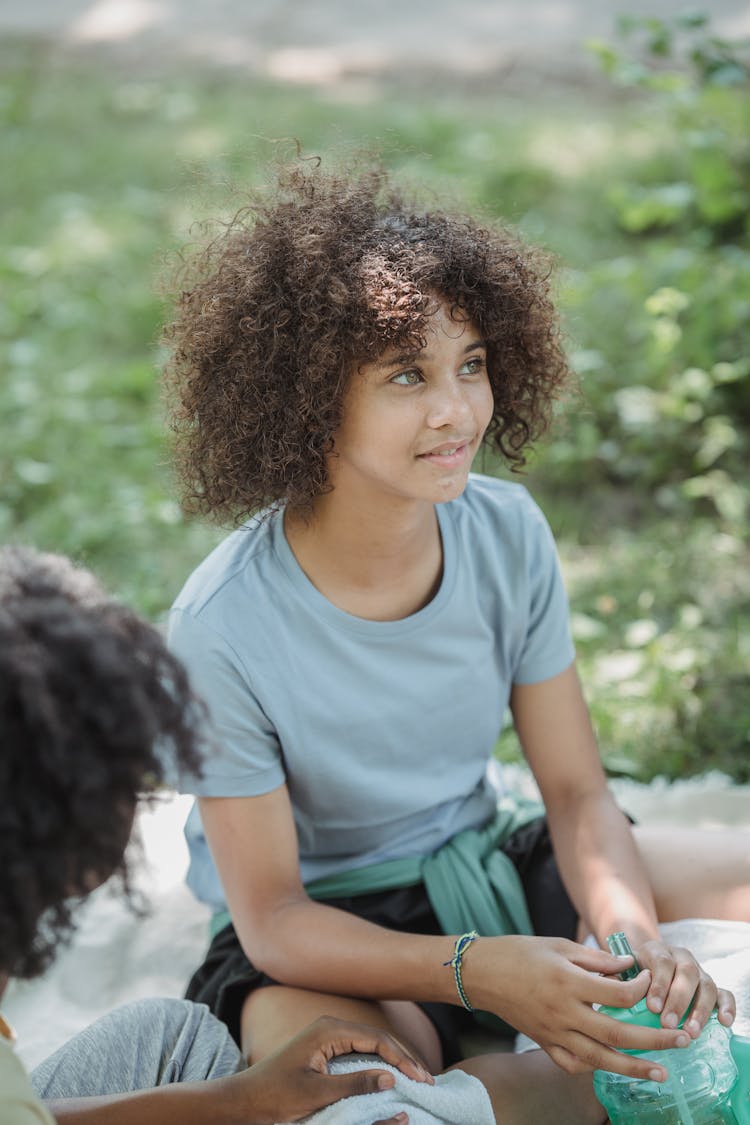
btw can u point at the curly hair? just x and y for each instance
(276, 312)
(90, 702)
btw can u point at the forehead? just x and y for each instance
(444, 326)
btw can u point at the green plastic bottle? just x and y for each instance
(708, 1082)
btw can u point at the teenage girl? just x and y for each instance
(338, 358)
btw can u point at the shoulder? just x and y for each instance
(234, 563)
(501, 533)
(495, 504)
(19, 1104)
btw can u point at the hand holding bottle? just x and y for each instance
(547, 988)
(679, 985)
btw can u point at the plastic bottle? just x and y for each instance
(708, 1082)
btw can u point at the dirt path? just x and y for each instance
(517, 42)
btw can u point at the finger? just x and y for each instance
(362, 1082)
(726, 1008)
(341, 1037)
(623, 1036)
(324, 1089)
(690, 986)
(662, 966)
(703, 1004)
(615, 993)
(596, 960)
(581, 1053)
(397, 1119)
(567, 1061)
(366, 1040)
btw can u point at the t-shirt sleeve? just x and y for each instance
(19, 1105)
(241, 754)
(548, 646)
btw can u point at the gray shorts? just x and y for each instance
(139, 1046)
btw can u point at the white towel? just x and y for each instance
(456, 1099)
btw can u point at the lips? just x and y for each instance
(447, 450)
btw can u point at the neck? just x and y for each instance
(381, 567)
(357, 529)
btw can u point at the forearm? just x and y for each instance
(594, 846)
(602, 868)
(194, 1103)
(305, 944)
(299, 942)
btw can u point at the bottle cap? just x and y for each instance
(619, 946)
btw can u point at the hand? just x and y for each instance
(546, 987)
(679, 984)
(294, 1081)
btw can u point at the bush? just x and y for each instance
(645, 483)
(662, 332)
(661, 435)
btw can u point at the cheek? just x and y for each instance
(485, 405)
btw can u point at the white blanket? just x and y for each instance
(117, 956)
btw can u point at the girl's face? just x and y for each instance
(413, 423)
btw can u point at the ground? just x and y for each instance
(499, 44)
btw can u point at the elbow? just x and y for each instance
(585, 806)
(271, 941)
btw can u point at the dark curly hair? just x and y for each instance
(277, 311)
(90, 702)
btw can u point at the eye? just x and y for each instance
(472, 366)
(407, 378)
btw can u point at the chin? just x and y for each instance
(451, 490)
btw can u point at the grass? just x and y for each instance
(109, 172)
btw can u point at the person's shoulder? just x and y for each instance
(19, 1104)
(490, 498)
(234, 559)
(501, 515)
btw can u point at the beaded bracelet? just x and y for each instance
(462, 944)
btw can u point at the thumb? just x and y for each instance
(362, 1082)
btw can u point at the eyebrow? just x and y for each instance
(412, 357)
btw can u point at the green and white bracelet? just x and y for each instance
(462, 944)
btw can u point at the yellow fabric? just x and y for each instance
(19, 1105)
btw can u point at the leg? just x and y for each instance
(698, 874)
(273, 1015)
(529, 1089)
(138, 1046)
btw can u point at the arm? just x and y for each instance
(290, 1084)
(310, 945)
(595, 849)
(299, 942)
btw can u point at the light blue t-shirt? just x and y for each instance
(382, 730)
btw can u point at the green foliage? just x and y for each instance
(644, 198)
(663, 650)
(109, 174)
(669, 395)
(660, 625)
(663, 423)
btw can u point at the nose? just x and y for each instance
(449, 405)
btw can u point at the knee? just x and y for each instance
(199, 1045)
(164, 1017)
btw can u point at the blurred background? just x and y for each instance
(617, 136)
